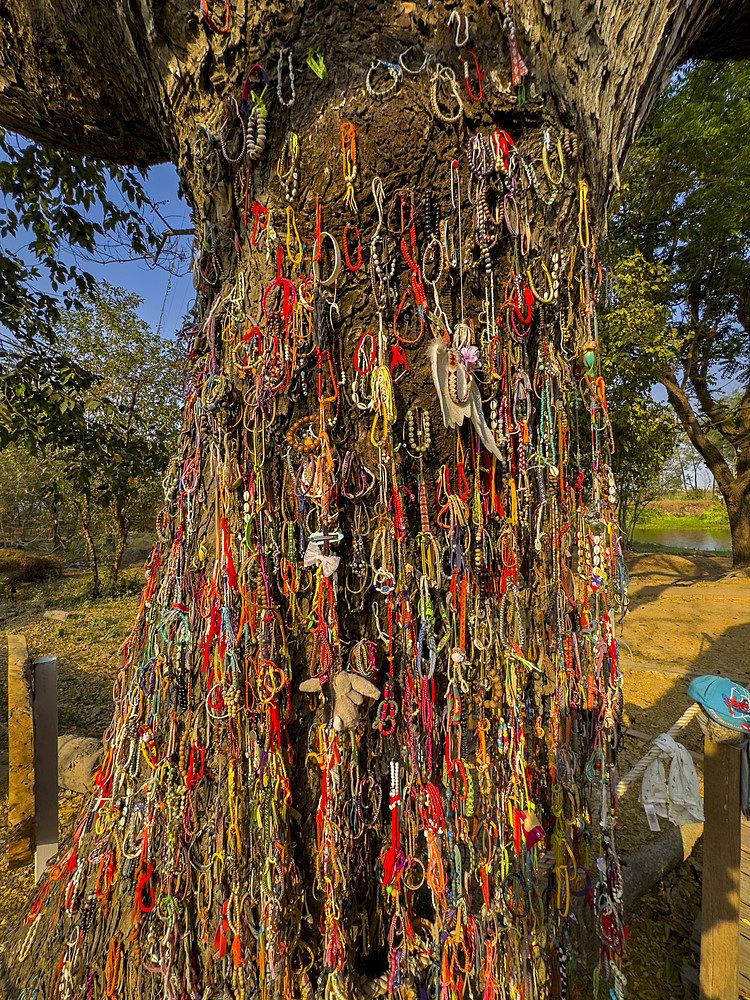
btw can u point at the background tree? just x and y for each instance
(682, 222)
(644, 431)
(225, 747)
(138, 374)
(121, 417)
(28, 513)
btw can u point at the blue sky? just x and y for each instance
(163, 298)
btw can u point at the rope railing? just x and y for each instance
(640, 768)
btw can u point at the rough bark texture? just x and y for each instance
(123, 79)
(733, 480)
(78, 759)
(231, 847)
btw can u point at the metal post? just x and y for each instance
(20, 755)
(45, 761)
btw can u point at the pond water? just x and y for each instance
(702, 539)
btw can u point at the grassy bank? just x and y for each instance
(684, 512)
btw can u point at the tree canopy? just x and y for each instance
(680, 245)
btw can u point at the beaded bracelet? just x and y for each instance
(417, 430)
(548, 279)
(352, 267)
(282, 99)
(480, 156)
(287, 168)
(444, 74)
(256, 133)
(381, 65)
(227, 157)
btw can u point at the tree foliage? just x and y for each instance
(120, 419)
(644, 430)
(680, 243)
(57, 211)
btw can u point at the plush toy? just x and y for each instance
(349, 693)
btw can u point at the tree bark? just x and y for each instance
(251, 801)
(733, 483)
(738, 509)
(84, 516)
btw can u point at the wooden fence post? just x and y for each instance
(720, 909)
(20, 755)
(45, 761)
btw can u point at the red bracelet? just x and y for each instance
(346, 249)
(364, 371)
(211, 23)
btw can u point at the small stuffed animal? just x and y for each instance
(349, 693)
(533, 831)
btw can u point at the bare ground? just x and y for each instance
(687, 616)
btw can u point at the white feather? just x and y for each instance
(455, 413)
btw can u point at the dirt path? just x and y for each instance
(688, 616)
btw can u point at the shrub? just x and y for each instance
(651, 515)
(716, 514)
(17, 566)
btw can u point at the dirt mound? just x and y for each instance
(17, 566)
(686, 569)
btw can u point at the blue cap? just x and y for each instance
(723, 700)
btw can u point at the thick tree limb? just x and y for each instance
(107, 78)
(616, 59)
(714, 459)
(725, 34)
(89, 78)
(659, 857)
(700, 357)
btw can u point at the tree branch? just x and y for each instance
(618, 57)
(713, 458)
(697, 372)
(90, 78)
(725, 33)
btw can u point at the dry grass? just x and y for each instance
(85, 645)
(17, 566)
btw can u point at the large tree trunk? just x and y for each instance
(732, 480)
(738, 509)
(244, 840)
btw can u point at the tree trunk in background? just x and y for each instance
(122, 528)
(733, 481)
(246, 839)
(84, 515)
